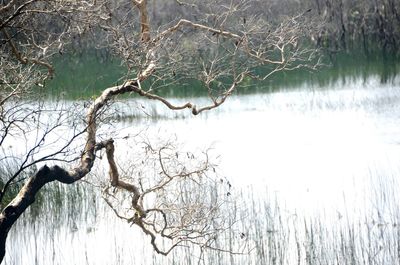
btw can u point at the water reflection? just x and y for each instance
(308, 161)
(303, 144)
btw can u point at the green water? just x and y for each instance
(86, 75)
(344, 66)
(83, 76)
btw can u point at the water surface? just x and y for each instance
(325, 155)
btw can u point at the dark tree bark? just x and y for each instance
(26, 197)
(247, 46)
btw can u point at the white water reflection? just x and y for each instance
(314, 148)
(334, 150)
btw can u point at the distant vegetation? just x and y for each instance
(357, 37)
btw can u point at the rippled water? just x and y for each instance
(332, 152)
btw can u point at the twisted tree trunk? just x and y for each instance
(44, 175)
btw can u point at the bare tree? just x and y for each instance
(217, 44)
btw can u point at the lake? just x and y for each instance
(315, 170)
